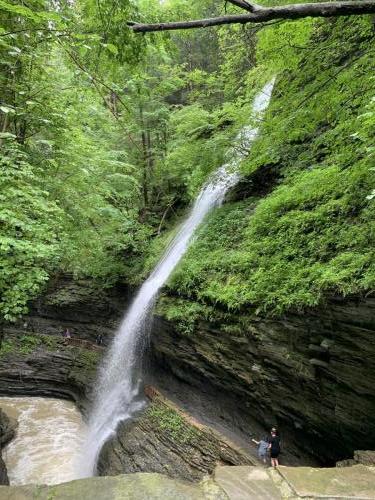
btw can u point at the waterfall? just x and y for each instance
(117, 394)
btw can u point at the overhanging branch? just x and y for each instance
(262, 14)
(250, 7)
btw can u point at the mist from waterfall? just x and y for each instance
(117, 395)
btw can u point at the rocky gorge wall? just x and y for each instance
(86, 309)
(46, 365)
(7, 431)
(169, 441)
(310, 373)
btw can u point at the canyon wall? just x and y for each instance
(7, 431)
(79, 305)
(311, 373)
(46, 365)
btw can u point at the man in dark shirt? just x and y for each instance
(274, 447)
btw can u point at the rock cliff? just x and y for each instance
(86, 309)
(45, 365)
(166, 440)
(311, 373)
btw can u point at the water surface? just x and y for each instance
(47, 443)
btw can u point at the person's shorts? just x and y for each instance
(275, 454)
(262, 456)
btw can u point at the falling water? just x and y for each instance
(117, 395)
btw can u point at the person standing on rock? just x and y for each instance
(263, 446)
(67, 336)
(274, 447)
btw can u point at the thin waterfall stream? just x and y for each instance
(117, 393)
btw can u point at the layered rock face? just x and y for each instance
(44, 365)
(312, 374)
(166, 440)
(78, 305)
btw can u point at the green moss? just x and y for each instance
(7, 347)
(89, 358)
(28, 343)
(184, 314)
(25, 344)
(169, 421)
(313, 235)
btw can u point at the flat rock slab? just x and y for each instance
(246, 483)
(140, 486)
(357, 482)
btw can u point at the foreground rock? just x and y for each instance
(356, 482)
(127, 487)
(244, 483)
(312, 374)
(166, 440)
(228, 483)
(364, 457)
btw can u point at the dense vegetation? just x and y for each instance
(106, 137)
(313, 235)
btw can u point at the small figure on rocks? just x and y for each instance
(67, 335)
(99, 339)
(263, 446)
(274, 447)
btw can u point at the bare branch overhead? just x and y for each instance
(260, 14)
(250, 7)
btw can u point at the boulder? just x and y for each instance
(364, 457)
(126, 487)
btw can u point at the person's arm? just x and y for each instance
(256, 442)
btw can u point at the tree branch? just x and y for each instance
(263, 14)
(250, 7)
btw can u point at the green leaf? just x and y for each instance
(7, 135)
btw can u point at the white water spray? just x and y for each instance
(117, 395)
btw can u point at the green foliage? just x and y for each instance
(312, 236)
(170, 421)
(106, 137)
(184, 314)
(30, 223)
(28, 343)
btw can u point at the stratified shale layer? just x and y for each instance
(166, 440)
(311, 373)
(46, 365)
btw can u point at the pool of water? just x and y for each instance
(48, 440)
